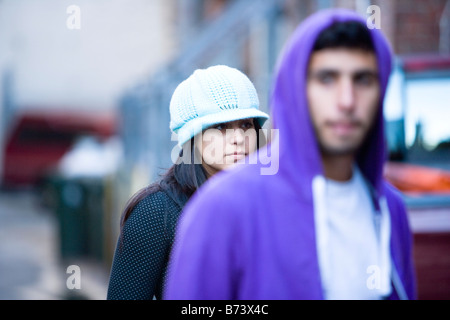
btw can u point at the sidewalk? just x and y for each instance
(30, 266)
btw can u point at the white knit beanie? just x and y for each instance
(212, 96)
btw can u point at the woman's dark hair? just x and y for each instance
(180, 181)
(350, 35)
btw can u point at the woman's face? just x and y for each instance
(225, 144)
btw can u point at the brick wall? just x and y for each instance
(412, 26)
(417, 25)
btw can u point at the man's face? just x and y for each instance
(343, 96)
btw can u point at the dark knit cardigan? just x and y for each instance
(140, 261)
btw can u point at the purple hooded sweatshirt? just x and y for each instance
(245, 235)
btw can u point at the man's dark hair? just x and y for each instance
(349, 35)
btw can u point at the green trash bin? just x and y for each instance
(94, 192)
(80, 215)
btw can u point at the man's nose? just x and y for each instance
(346, 95)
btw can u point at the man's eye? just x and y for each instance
(326, 78)
(365, 79)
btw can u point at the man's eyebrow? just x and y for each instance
(322, 72)
(336, 72)
(366, 72)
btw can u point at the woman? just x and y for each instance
(215, 113)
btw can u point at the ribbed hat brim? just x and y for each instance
(195, 126)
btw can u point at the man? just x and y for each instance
(327, 225)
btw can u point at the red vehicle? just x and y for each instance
(38, 139)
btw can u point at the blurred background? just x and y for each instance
(84, 120)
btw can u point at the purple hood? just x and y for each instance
(290, 108)
(245, 235)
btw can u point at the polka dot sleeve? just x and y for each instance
(142, 251)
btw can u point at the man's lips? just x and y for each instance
(344, 127)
